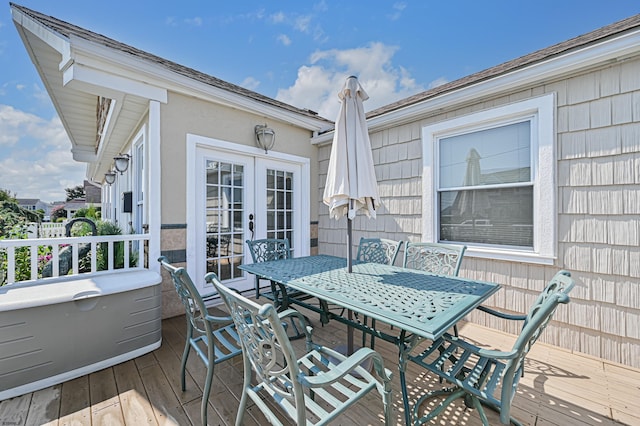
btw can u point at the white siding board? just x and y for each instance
(583, 88)
(600, 112)
(622, 108)
(573, 145)
(610, 81)
(603, 141)
(630, 77)
(578, 117)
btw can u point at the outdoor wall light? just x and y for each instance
(265, 137)
(122, 162)
(110, 177)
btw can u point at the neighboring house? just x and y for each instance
(34, 204)
(555, 183)
(557, 133)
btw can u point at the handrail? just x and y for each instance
(42, 251)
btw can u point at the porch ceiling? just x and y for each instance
(77, 104)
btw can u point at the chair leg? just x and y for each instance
(185, 356)
(207, 390)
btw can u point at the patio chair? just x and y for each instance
(437, 258)
(378, 250)
(274, 249)
(313, 389)
(264, 250)
(488, 377)
(213, 338)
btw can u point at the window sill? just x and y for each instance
(509, 255)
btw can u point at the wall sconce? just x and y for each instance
(122, 162)
(110, 177)
(265, 137)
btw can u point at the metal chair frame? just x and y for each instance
(213, 338)
(488, 377)
(313, 389)
(378, 250)
(437, 258)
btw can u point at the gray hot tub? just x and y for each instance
(54, 331)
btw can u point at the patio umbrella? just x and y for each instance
(471, 203)
(351, 183)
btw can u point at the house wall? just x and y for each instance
(183, 115)
(598, 198)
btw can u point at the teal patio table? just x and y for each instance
(419, 304)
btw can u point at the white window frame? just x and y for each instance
(543, 168)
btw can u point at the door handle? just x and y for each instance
(251, 225)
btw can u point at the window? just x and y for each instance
(489, 182)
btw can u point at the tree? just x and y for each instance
(75, 193)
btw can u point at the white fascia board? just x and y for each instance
(102, 57)
(57, 41)
(82, 78)
(608, 50)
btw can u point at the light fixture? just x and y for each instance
(110, 177)
(122, 162)
(265, 137)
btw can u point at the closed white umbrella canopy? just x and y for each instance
(351, 179)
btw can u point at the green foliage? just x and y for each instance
(89, 212)
(5, 195)
(75, 193)
(14, 220)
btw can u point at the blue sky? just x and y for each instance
(295, 51)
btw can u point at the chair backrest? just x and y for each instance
(378, 250)
(269, 249)
(554, 293)
(266, 348)
(194, 306)
(438, 258)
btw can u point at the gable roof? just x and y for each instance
(69, 30)
(557, 50)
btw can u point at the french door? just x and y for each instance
(243, 197)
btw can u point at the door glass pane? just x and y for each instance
(224, 215)
(279, 187)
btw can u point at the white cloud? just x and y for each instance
(302, 23)
(284, 39)
(195, 22)
(36, 161)
(277, 18)
(398, 7)
(318, 83)
(250, 83)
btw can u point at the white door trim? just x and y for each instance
(194, 142)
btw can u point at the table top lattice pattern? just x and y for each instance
(415, 301)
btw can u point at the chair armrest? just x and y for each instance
(503, 315)
(218, 320)
(346, 365)
(489, 353)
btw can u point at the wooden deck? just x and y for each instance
(559, 388)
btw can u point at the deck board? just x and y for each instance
(559, 388)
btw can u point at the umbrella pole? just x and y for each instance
(349, 247)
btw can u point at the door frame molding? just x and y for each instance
(193, 142)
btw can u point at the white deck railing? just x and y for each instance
(25, 259)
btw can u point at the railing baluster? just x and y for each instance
(34, 261)
(75, 267)
(126, 254)
(94, 254)
(55, 260)
(110, 259)
(11, 264)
